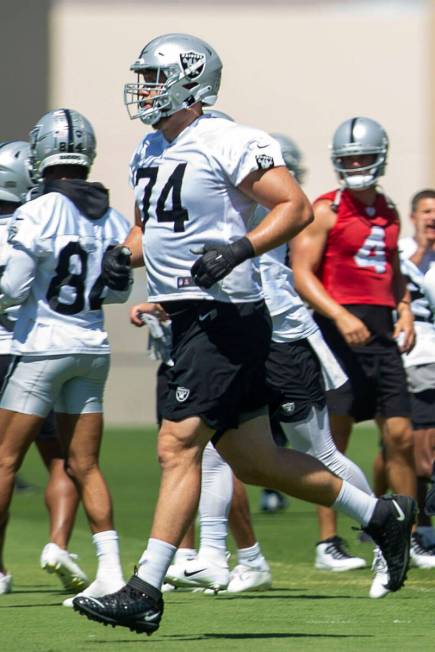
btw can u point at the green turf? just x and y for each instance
(306, 610)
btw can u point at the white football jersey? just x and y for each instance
(290, 318)
(187, 194)
(55, 262)
(8, 318)
(424, 349)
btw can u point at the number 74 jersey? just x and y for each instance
(53, 269)
(187, 194)
(357, 264)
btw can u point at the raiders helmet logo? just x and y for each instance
(288, 408)
(264, 161)
(182, 394)
(193, 64)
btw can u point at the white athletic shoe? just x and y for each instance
(61, 562)
(250, 578)
(420, 555)
(5, 583)
(97, 589)
(380, 580)
(332, 555)
(200, 572)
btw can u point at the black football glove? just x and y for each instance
(218, 261)
(116, 268)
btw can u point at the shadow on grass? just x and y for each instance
(229, 636)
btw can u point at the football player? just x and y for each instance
(197, 180)
(417, 253)
(57, 242)
(61, 495)
(347, 268)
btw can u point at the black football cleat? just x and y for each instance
(137, 606)
(390, 528)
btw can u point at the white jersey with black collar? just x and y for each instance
(188, 196)
(8, 318)
(290, 318)
(54, 272)
(423, 352)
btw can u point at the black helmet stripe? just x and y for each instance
(352, 127)
(70, 130)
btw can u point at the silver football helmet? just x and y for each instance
(61, 137)
(359, 136)
(174, 71)
(292, 156)
(15, 180)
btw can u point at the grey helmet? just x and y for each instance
(359, 135)
(61, 137)
(292, 156)
(15, 180)
(183, 69)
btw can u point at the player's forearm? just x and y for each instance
(314, 293)
(280, 225)
(134, 243)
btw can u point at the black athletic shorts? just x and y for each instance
(423, 409)
(219, 352)
(294, 380)
(377, 383)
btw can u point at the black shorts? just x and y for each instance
(294, 380)
(376, 387)
(219, 353)
(423, 409)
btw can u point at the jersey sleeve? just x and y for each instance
(429, 286)
(245, 150)
(17, 278)
(24, 232)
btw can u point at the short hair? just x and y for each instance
(428, 193)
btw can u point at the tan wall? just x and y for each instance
(296, 66)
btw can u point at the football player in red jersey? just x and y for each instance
(346, 266)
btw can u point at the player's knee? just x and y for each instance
(79, 469)
(176, 448)
(399, 439)
(9, 464)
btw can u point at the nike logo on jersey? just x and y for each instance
(401, 515)
(189, 574)
(262, 146)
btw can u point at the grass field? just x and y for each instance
(305, 610)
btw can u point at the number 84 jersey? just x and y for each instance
(357, 264)
(187, 194)
(54, 270)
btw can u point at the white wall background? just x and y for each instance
(295, 67)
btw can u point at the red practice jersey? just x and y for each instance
(357, 260)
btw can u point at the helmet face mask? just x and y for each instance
(15, 180)
(174, 71)
(61, 137)
(359, 137)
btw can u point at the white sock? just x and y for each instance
(250, 556)
(215, 502)
(184, 554)
(355, 503)
(155, 562)
(107, 547)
